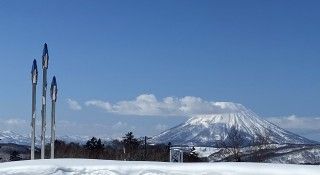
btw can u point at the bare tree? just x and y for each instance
(232, 144)
(260, 145)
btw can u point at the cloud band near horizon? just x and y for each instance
(149, 105)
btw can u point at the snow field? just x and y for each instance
(108, 167)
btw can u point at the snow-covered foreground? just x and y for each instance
(101, 167)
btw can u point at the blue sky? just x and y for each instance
(262, 54)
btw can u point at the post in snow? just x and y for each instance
(34, 78)
(45, 61)
(53, 92)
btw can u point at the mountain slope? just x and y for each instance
(206, 130)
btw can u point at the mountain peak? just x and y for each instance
(230, 107)
(223, 107)
(232, 114)
(208, 129)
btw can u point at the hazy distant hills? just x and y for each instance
(16, 138)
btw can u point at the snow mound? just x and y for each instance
(107, 167)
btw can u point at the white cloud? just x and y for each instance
(14, 124)
(149, 105)
(99, 104)
(161, 127)
(120, 125)
(294, 122)
(305, 126)
(74, 105)
(15, 121)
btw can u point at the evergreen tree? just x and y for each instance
(95, 147)
(99, 145)
(94, 144)
(130, 144)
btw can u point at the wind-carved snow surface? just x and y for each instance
(107, 167)
(206, 130)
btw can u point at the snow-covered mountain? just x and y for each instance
(16, 138)
(206, 130)
(13, 137)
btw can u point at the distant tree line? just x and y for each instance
(128, 148)
(235, 147)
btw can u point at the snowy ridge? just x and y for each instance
(206, 130)
(304, 155)
(16, 138)
(99, 167)
(13, 137)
